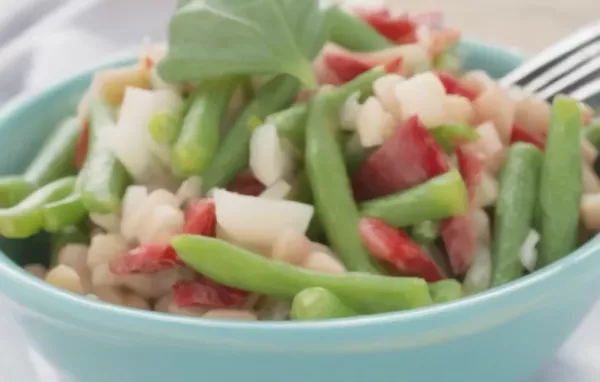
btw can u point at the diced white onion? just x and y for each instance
(349, 112)
(373, 123)
(422, 95)
(479, 276)
(384, 88)
(278, 190)
(487, 191)
(163, 223)
(136, 214)
(482, 227)
(458, 110)
(528, 252)
(259, 221)
(268, 159)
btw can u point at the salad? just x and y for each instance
(276, 160)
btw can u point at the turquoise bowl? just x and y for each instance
(501, 335)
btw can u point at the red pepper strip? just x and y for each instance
(201, 218)
(458, 232)
(82, 145)
(149, 258)
(401, 30)
(519, 134)
(204, 292)
(246, 184)
(453, 86)
(347, 66)
(410, 157)
(394, 246)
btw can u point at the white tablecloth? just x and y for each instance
(81, 37)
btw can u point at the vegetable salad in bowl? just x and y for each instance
(281, 161)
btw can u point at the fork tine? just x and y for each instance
(549, 56)
(564, 67)
(566, 83)
(587, 91)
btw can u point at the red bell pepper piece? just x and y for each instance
(458, 232)
(453, 86)
(246, 184)
(204, 292)
(201, 218)
(401, 30)
(347, 66)
(519, 134)
(81, 148)
(149, 258)
(395, 247)
(412, 156)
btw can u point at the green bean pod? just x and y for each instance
(440, 197)
(319, 304)
(198, 140)
(450, 136)
(103, 179)
(291, 122)
(165, 127)
(53, 161)
(519, 183)
(560, 183)
(352, 33)
(445, 291)
(239, 268)
(64, 213)
(233, 155)
(26, 218)
(332, 193)
(56, 158)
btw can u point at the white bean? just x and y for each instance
(190, 189)
(495, 105)
(74, 256)
(163, 303)
(191, 311)
(458, 110)
(323, 262)
(590, 211)
(37, 270)
(291, 247)
(65, 278)
(154, 285)
(110, 295)
(134, 219)
(104, 248)
(231, 314)
(163, 223)
(133, 300)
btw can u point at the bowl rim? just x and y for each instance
(89, 309)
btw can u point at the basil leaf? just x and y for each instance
(215, 38)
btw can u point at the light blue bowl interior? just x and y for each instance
(92, 341)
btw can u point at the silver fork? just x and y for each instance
(571, 66)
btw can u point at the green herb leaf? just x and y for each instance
(214, 38)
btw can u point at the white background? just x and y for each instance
(85, 31)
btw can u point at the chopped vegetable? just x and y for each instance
(560, 183)
(445, 291)
(331, 189)
(452, 136)
(203, 292)
(352, 33)
(515, 210)
(242, 269)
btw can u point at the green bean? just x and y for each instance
(352, 33)
(445, 291)
(291, 122)
(592, 133)
(68, 235)
(239, 268)
(233, 155)
(103, 179)
(55, 159)
(302, 193)
(450, 136)
(519, 182)
(165, 127)
(440, 197)
(425, 232)
(560, 182)
(13, 189)
(319, 304)
(26, 218)
(198, 141)
(332, 194)
(64, 213)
